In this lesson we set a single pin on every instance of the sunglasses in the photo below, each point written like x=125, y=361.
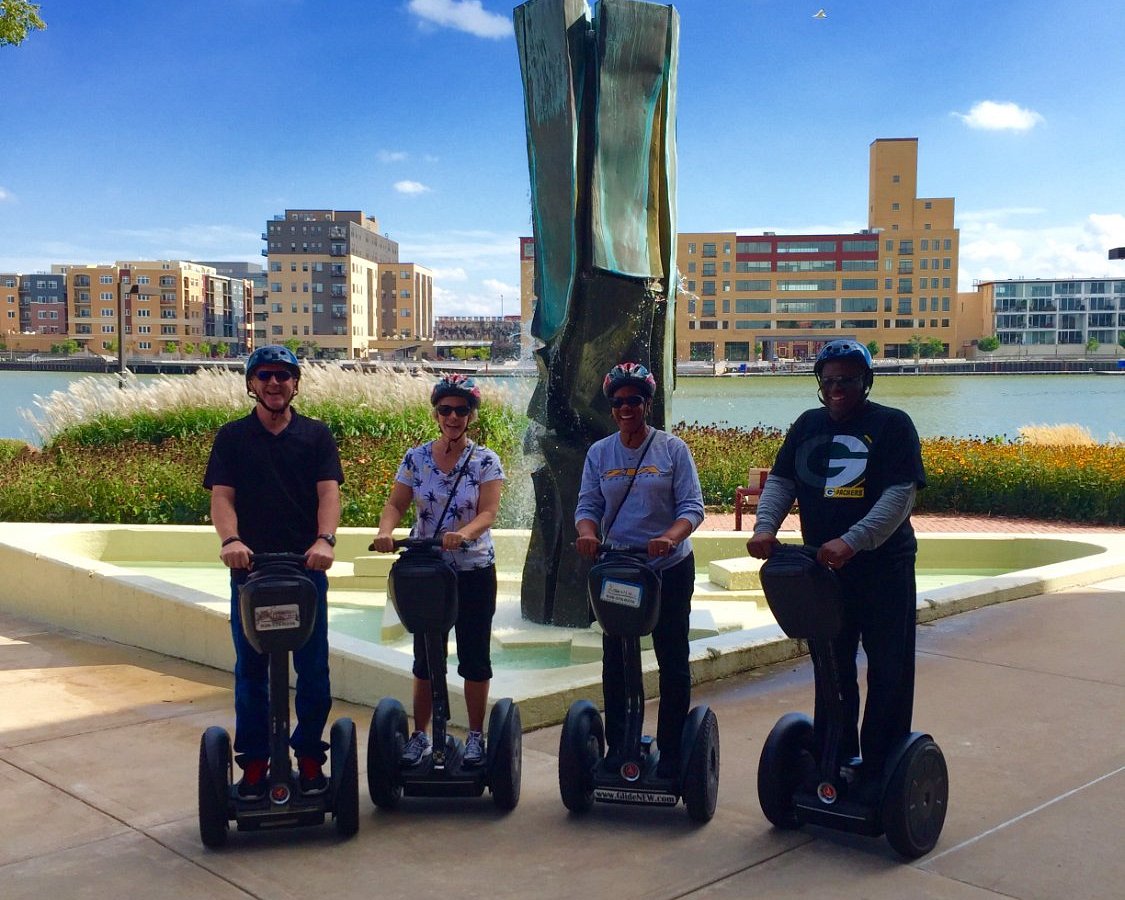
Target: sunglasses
x=631, y=400
x=459, y=411
x=280, y=376
x=850, y=382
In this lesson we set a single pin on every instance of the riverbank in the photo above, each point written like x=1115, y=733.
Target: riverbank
x=1018, y=366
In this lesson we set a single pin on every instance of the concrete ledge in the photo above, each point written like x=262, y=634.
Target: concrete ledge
x=78, y=577
x=738, y=574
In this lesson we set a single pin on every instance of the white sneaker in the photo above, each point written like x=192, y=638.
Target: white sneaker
x=416, y=749
x=474, y=749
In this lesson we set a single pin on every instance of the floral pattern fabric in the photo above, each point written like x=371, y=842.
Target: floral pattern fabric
x=431, y=487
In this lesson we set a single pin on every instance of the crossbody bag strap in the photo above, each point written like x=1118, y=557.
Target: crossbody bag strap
x=457, y=481
x=625, y=496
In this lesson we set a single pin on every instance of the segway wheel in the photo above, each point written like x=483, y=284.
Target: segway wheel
x=345, y=777
x=384, y=752
x=581, y=747
x=505, y=754
x=784, y=762
x=701, y=777
x=915, y=800
x=214, y=786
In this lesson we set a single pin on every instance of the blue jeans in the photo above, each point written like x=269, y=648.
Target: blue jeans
x=251, y=684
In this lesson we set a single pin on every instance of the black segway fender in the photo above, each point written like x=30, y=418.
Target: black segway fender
x=785, y=761
x=505, y=753
x=699, y=767
x=214, y=786
x=915, y=796
x=345, y=777
x=581, y=747
x=384, y=753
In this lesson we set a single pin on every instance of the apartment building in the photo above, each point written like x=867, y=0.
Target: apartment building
x=1056, y=317
x=170, y=307
x=750, y=296
x=336, y=285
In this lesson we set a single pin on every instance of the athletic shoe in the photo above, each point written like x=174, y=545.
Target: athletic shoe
x=311, y=776
x=416, y=749
x=474, y=749
x=253, y=784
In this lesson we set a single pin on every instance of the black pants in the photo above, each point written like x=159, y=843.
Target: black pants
x=879, y=609
x=670, y=641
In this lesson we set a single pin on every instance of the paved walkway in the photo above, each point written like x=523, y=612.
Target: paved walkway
x=99, y=744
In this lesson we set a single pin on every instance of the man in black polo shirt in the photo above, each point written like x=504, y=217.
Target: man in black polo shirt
x=275, y=478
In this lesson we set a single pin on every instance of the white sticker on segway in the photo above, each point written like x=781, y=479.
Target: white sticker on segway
x=623, y=593
x=277, y=618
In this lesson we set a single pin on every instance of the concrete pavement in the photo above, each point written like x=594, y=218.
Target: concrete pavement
x=99, y=744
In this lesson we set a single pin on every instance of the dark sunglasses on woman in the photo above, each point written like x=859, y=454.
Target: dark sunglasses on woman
x=632, y=400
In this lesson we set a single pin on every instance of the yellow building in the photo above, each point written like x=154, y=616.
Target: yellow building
x=335, y=284
x=745, y=297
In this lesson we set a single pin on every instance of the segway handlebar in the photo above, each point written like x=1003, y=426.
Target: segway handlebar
x=412, y=543
x=265, y=558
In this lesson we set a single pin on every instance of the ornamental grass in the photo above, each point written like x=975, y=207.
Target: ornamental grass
x=137, y=455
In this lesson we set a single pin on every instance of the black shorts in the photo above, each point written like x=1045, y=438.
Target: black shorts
x=476, y=590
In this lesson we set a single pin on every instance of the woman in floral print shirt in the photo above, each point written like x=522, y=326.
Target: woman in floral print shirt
x=427, y=476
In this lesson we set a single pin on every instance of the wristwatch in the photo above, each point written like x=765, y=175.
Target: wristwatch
x=329, y=539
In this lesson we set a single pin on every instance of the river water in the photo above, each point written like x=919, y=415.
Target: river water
x=941, y=405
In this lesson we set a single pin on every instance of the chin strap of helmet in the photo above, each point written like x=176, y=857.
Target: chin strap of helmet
x=274, y=414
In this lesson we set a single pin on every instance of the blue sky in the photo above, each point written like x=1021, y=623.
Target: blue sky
x=142, y=130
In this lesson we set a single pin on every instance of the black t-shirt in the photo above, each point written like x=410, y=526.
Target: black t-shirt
x=841, y=469
x=274, y=479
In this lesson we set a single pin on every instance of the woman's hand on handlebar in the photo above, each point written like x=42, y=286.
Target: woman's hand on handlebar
x=452, y=540
x=587, y=546
x=383, y=543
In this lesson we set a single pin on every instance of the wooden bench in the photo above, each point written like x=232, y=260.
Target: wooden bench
x=746, y=498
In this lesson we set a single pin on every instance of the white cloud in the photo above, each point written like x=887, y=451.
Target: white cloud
x=990, y=115
x=462, y=15
x=992, y=250
x=392, y=156
x=457, y=273
x=502, y=288
x=411, y=187
x=6, y=196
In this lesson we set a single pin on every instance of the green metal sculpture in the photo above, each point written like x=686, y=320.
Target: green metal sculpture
x=600, y=104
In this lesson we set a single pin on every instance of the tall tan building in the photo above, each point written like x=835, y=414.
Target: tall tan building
x=335, y=284
x=744, y=297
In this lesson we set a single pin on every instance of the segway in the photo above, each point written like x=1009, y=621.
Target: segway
x=625, y=594
x=277, y=605
x=801, y=783
x=423, y=588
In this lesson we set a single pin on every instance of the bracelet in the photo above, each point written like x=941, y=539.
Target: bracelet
x=231, y=540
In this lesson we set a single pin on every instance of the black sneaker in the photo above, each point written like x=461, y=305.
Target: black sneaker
x=253, y=785
x=310, y=775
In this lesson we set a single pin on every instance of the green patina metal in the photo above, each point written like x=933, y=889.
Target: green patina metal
x=600, y=105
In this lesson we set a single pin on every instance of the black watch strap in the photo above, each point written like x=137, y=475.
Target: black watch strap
x=329, y=539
